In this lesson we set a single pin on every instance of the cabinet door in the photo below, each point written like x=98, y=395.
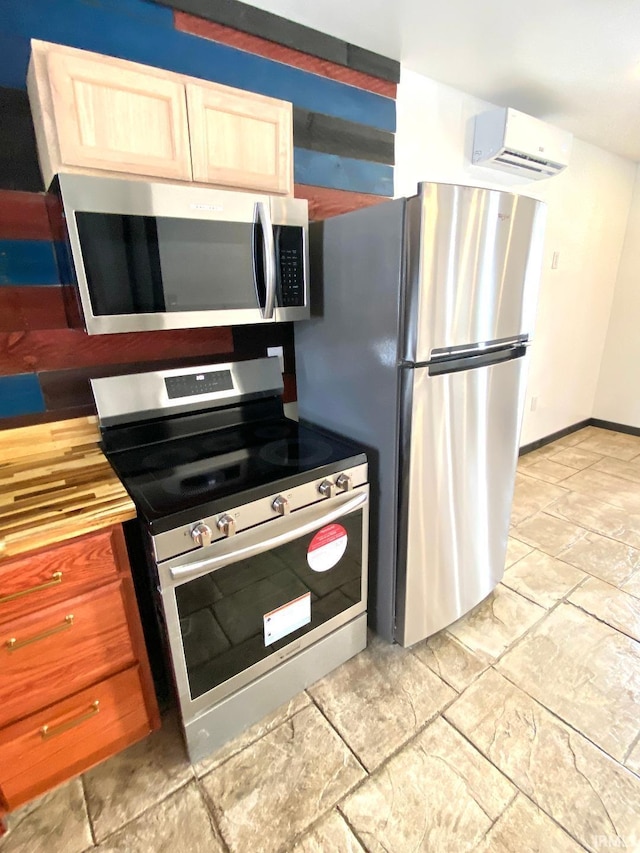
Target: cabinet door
x=116, y=118
x=240, y=139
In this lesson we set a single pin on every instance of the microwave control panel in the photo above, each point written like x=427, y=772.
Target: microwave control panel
x=291, y=266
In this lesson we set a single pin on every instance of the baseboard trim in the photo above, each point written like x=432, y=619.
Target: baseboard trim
x=540, y=442
x=596, y=422
x=630, y=430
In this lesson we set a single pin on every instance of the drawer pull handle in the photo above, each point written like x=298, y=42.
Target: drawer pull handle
x=14, y=644
x=56, y=578
x=52, y=731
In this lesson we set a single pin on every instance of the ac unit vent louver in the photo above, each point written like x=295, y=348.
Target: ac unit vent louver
x=520, y=144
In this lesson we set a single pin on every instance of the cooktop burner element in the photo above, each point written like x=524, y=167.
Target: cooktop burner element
x=294, y=452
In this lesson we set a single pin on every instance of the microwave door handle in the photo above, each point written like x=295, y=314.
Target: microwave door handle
x=269, y=258
x=184, y=572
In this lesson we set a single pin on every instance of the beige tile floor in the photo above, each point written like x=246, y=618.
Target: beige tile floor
x=516, y=730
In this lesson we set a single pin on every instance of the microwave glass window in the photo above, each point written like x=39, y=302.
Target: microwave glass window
x=146, y=265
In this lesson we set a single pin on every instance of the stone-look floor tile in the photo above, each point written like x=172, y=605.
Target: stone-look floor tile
x=525, y=828
x=606, y=488
x=379, y=699
x=585, y=672
x=332, y=833
x=585, y=791
x=533, y=457
x=252, y=734
x=542, y=578
x=576, y=437
x=610, y=605
x=436, y=794
x=268, y=794
x=179, y=824
x=632, y=586
x=126, y=785
x=453, y=662
x=633, y=761
x=616, y=467
x=497, y=622
x=549, y=471
x=516, y=550
x=598, y=517
x=604, y=558
x=573, y=457
x=531, y=495
x=55, y=823
x=608, y=443
x=548, y=533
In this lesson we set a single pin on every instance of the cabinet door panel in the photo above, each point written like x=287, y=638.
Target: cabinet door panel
x=54, y=652
x=71, y=736
x=109, y=117
x=240, y=139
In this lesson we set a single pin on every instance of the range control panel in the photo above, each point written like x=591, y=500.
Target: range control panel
x=191, y=384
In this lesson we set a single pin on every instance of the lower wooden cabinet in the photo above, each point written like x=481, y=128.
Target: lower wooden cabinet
x=75, y=683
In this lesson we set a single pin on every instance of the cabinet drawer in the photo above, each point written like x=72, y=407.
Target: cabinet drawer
x=80, y=731
x=56, y=574
x=50, y=654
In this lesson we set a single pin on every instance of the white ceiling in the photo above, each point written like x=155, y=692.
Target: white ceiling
x=574, y=63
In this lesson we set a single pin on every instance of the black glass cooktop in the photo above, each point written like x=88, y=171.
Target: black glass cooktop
x=182, y=470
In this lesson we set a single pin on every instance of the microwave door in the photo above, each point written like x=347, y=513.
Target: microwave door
x=268, y=259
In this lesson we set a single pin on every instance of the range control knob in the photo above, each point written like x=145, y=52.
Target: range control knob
x=327, y=489
x=201, y=534
x=226, y=525
x=344, y=482
x=281, y=505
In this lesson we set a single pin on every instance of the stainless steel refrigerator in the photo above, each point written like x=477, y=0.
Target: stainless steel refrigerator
x=422, y=316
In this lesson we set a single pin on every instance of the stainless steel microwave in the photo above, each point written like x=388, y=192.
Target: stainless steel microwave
x=150, y=256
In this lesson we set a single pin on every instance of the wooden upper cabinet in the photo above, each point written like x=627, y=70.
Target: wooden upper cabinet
x=115, y=118
x=97, y=114
x=239, y=139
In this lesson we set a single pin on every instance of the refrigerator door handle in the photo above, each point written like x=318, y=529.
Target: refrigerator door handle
x=484, y=359
x=478, y=349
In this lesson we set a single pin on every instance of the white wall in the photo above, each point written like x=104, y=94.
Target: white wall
x=588, y=206
x=618, y=394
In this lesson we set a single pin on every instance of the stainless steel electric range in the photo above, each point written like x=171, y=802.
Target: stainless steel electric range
x=254, y=533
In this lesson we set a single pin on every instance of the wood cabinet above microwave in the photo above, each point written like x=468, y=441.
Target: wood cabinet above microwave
x=96, y=114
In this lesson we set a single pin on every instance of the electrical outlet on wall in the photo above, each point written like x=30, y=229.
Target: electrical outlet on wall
x=533, y=405
x=279, y=351
x=554, y=260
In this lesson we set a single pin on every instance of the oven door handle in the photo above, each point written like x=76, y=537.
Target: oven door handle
x=184, y=572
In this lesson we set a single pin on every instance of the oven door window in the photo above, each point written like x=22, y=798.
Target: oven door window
x=228, y=616
x=148, y=265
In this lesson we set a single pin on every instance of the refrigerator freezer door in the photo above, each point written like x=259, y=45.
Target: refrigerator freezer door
x=460, y=447
x=474, y=258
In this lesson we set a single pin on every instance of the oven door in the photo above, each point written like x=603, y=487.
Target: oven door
x=241, y=606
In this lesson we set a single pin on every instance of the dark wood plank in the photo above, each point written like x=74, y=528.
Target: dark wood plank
x=281, y=53
x=23, y=216
x=23, y=352
x=64, y=389
x=274, y=28
x=290, y=394
x=332, y=135
x=31, y=308
x=324, y=203
x=46, y=417
x=19, y=169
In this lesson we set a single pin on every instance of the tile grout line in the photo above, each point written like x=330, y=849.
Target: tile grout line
x=506, y=776
x=85, y=798
x=213, y=820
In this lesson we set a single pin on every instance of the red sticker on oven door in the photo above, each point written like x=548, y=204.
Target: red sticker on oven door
x=327, y=547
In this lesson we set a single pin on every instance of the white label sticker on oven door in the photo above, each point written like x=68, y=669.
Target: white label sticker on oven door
x=286, y=619
x=327, y=547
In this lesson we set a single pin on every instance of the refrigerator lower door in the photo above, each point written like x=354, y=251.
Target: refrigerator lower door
x=460, y=434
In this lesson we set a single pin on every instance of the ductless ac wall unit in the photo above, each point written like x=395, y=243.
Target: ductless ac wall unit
x=515, y=142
